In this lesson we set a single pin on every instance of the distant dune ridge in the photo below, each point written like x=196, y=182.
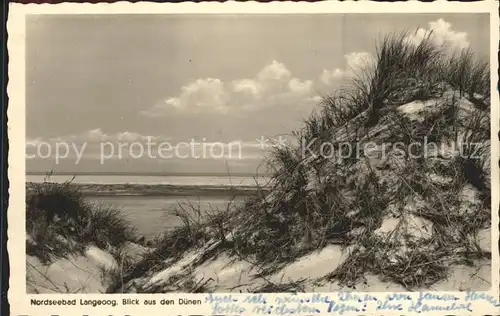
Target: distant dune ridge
x=156, y=189
x=394, y=218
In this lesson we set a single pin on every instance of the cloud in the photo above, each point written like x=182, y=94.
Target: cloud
x=300, y=87
x=203, y=93
x=130, y=136
x=328, y=76
x=97, y=135
x=315, y=98
x=441, y=34
x=354, y=63
x=128, y=144
x=273, y=77
x=273, y=85
x=359, y=60
x=161, y=150
x=247, y=86
x=93, y=135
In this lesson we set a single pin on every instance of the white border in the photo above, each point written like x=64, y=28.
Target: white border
x=20, y=301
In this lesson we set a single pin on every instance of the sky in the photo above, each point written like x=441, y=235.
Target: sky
x=95, y=83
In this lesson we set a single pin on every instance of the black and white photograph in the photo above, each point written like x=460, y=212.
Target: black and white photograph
x=258, y=153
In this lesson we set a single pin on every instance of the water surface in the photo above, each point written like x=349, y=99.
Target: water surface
x=154, y=179
x=151, y=216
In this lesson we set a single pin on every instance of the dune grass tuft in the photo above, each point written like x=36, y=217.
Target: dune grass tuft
x=60, y=221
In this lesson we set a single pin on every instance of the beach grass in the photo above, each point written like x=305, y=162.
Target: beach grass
x=313, y=202
x=61, y=222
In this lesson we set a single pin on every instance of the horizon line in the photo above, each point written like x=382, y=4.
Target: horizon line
x=76, y=173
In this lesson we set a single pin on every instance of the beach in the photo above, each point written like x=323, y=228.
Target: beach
x=152, y=215
x=149, y=205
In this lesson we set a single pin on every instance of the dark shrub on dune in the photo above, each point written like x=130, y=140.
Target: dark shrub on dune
x=60, y=221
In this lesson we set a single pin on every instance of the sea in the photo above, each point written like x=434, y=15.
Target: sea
x=152, y=215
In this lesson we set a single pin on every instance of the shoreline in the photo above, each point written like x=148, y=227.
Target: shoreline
x=128, y=189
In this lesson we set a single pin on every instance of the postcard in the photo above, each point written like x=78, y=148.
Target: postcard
x=247, y=158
